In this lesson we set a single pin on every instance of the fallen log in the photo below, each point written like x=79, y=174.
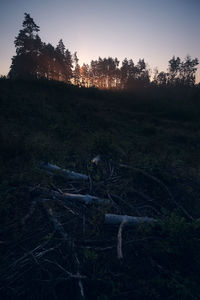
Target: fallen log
x=55, y=170
x=86, y=199
x=123, y=220
x=127, y=220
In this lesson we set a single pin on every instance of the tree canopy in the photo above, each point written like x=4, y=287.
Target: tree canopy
x=36, y=59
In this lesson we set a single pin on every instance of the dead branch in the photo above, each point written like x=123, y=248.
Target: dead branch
x=30, y=213
x=86, y=199
x=67, y=174
x=119, y=244
x=70, y=275
x=56, y=224
x=58, y=227
x=155, y=179
x=142, y=195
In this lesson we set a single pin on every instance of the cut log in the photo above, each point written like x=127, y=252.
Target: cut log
x=55, y=170
x=86, y=199
x=96, y=160
x=127, y=220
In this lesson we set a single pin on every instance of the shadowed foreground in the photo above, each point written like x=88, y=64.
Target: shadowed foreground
x=58, y=247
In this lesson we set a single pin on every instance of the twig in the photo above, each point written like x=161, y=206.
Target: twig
x=55, y=170
x=58, y=226
x=75, y=276
x=119, y=244
x=30, y=213
x=163, y=186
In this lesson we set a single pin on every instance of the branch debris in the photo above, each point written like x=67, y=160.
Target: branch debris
x=65, y=228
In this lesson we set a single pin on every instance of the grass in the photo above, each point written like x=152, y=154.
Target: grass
x=156, y=130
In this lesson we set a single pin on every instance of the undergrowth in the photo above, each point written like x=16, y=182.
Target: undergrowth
x=156, y=134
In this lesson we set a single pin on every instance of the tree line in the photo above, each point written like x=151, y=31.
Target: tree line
x=36, y=59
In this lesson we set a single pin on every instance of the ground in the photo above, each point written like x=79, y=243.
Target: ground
x=148, y=142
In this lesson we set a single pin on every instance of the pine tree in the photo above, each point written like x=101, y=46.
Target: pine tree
x=182, y=72
x=76, y=72
x=68, y=64
x=28, y=49
x=47, y=62
x=84, y=71
x=63, y=62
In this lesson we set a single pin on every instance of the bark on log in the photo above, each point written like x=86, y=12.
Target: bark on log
x=53, y=170
x=127, y=220
x=86, y=199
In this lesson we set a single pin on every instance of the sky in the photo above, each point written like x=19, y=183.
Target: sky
x=151, y=29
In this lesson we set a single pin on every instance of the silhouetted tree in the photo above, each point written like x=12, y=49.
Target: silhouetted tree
x=160, y=78
x=47, y=62
x=76, y=72
x=174, y=68
x=39, y=60
x=182, y=72
x=63, y=63
x=61, y=48
x=104, y=73
x=84, y=72
x=134, y=76
x=68, y=64
x=188, y=69
x=124, y=72
x=36, y=59
x=94, y=73
x=28, y=48
x=110, y=66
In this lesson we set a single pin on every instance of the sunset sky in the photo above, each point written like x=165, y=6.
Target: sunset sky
x=151, y=29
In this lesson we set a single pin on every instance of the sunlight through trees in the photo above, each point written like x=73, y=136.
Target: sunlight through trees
x=36, y=59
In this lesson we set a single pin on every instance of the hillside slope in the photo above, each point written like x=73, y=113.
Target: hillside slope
x=149, y=145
